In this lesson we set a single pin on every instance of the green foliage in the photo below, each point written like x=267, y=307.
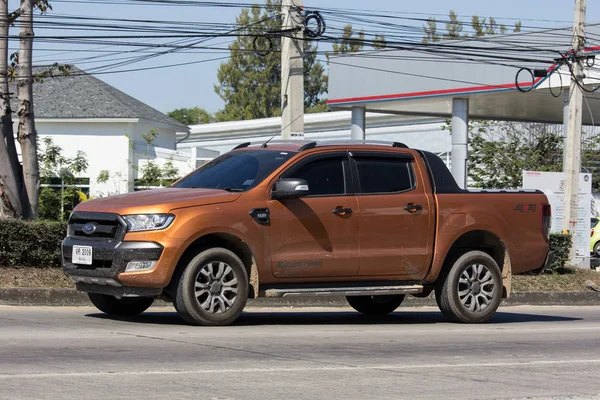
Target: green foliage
x=31, y=243
x=453, y=26
x=49, y=204
x=250, y=83
x=191, y=116
x=560, y=243
x=480, y=27
x=500, y=151
x=54, y=165
x=430, y=29
x=103, y=176
x=379, y=42
x=150, y=136
x=349, y=43
x=156, y=175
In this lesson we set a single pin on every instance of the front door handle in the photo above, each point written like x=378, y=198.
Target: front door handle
x=412, y=208
x=341, y=211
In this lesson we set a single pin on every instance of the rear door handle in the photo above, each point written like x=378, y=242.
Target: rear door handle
x=411, y=208
x=341, y=211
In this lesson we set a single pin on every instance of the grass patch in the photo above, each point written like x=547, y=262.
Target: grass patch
x=569, y=280
x=34, y=277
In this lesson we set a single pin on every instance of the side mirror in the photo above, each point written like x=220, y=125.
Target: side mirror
x=290, y=188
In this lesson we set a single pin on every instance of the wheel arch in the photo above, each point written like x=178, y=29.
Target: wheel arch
x=227, y=241
x=487, y=242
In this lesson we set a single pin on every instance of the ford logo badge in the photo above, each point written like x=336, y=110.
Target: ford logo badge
x=89, y=228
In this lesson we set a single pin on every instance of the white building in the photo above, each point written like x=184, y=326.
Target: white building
x=80, y=112
x=208, y=140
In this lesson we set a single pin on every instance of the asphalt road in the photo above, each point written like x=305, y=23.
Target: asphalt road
x=66, y=353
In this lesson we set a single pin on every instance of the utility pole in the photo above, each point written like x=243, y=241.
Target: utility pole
x=292, y=71
x=572, y=167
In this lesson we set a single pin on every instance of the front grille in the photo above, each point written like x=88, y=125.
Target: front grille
x=107, y=226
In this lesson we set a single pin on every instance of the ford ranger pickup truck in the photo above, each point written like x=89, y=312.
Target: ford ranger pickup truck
x=373, y=222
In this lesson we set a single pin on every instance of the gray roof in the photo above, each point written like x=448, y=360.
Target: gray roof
x=81, y=95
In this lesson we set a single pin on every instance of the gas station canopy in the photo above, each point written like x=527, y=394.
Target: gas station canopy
x=423, y=79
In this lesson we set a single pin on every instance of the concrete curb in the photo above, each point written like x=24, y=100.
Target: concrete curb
x=70, y=297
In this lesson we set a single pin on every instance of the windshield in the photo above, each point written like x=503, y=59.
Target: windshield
x=235, y=171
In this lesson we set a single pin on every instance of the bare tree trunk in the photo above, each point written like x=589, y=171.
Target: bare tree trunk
x=11, y=181
x=27, y=132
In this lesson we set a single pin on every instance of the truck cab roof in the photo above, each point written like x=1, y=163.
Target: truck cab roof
x=302, y=145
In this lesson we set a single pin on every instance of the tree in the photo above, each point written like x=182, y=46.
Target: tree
x=191, y=116
x=27, y=134
x=249, y=82
x=453, y=27
x=19, y=184
x=379, y=42
x=349, y=43
x=55, y=166
x=500, y=151
x=11, y=175
x=154, y=174
x=480, y=25
x=430, y=30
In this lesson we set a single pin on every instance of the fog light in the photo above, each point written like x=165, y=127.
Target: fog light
x=139, y=265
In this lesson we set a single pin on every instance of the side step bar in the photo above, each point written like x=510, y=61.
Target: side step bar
x=344, y=291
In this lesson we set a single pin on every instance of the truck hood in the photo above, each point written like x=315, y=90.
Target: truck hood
x=157, y=201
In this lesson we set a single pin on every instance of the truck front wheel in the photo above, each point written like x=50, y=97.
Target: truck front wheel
x=125, y=307
x=375, y=305
x=471, y=290
x=213, y=288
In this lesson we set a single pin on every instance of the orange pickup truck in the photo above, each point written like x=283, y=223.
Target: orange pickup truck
x=373, y=222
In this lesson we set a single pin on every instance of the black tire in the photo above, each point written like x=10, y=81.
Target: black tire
x=124, y=307
x=217, y=292
x=478, y=304
x=597, y=250
x=375, y=305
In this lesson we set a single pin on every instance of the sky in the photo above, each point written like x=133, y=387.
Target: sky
x=192, y=85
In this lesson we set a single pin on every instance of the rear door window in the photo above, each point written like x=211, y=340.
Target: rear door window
x=378, y=174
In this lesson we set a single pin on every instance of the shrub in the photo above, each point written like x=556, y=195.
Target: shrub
x=560, y=243
x=31, y=243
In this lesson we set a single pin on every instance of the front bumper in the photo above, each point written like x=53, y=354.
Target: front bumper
x=110, y=258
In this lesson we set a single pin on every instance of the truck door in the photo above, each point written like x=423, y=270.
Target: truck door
x=395, y=226
x=317, y=235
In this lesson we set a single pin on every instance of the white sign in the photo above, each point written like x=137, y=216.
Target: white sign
x=553, y=186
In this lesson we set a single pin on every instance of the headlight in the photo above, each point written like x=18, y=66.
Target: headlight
x=148, y=222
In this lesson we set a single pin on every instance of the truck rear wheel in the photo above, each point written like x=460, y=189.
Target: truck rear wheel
x=126, y=306
x=375, y=305
x=213, y=288
x=471, y=290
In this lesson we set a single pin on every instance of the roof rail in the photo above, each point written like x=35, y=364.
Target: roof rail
x=308, y=146
x=351, y=142
x=242, y=145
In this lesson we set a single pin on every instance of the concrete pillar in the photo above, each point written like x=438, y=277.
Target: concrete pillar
x=565, y=124
x=460, y=140
x=357, y=127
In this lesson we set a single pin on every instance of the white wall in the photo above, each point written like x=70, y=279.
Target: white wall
x=166, y=134
x=117, y=147
x=104, y=143
x=420, y=133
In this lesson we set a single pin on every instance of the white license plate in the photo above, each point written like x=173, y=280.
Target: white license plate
x=82, y=255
